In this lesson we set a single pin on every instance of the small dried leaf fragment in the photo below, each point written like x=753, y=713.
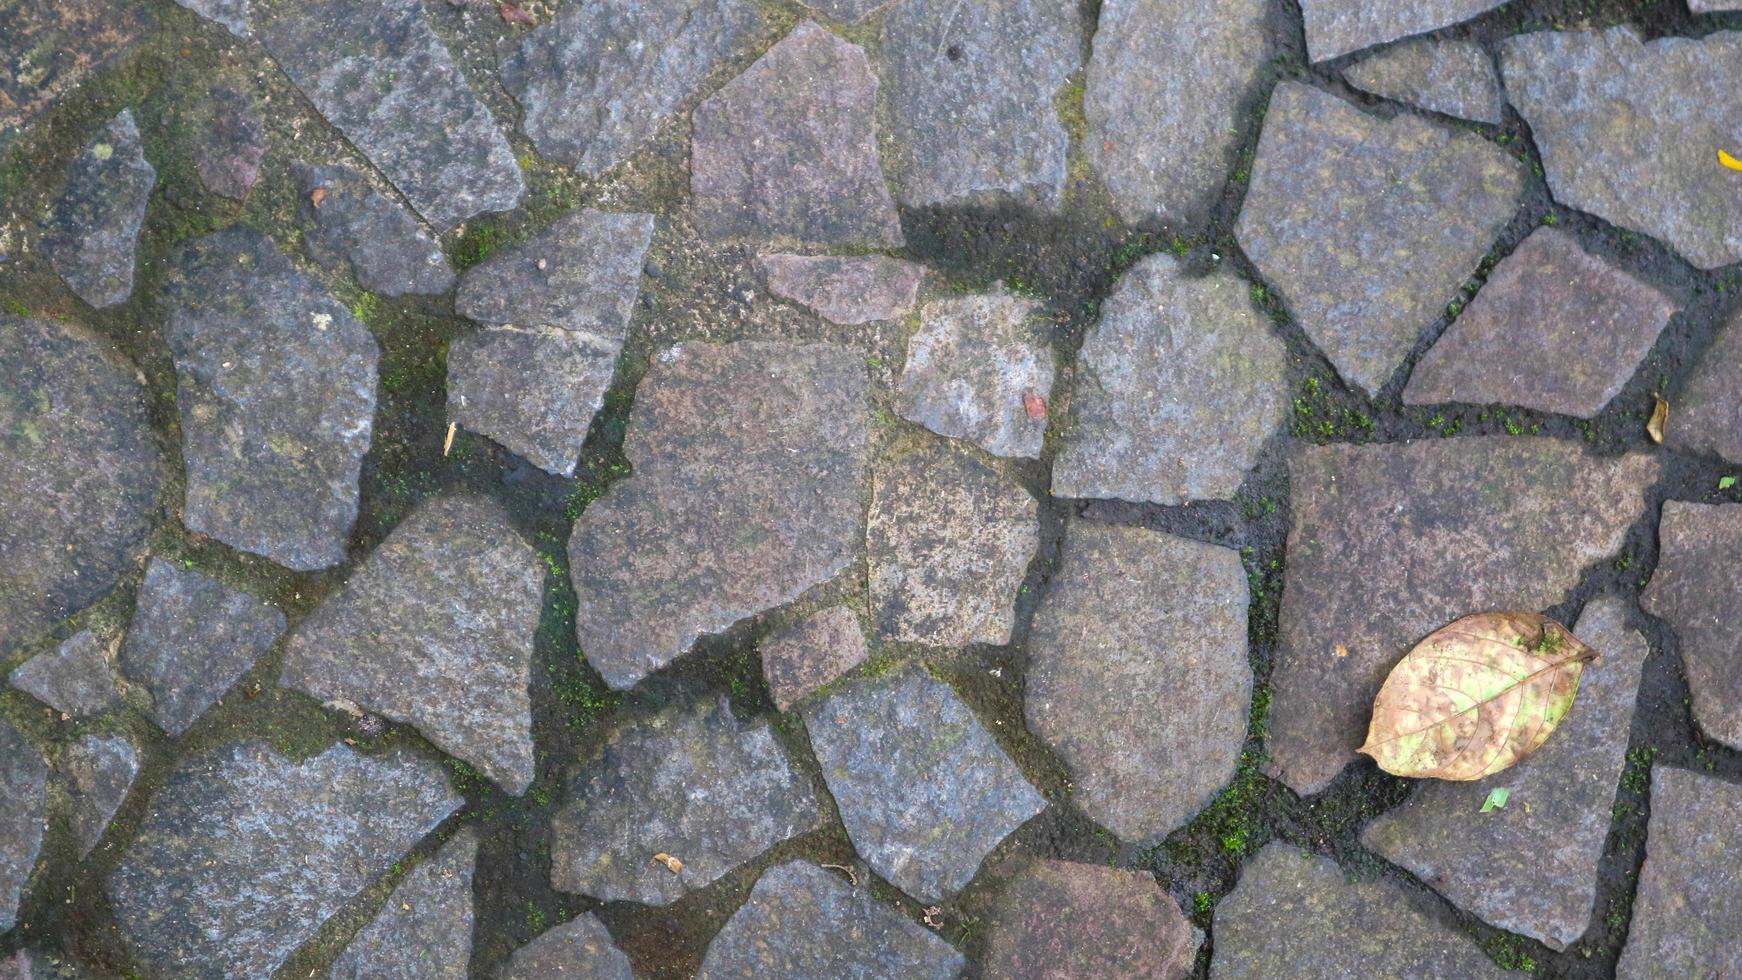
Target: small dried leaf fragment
x=1729, y=161
x=1476, y=697
x=316, y=196
x=1659, y=418
x=1497, y=798
x=671, y=864
x=1034, y=405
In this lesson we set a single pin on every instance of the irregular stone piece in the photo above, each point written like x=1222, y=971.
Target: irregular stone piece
x=749, y=460
x=789, y=150
x=1694, y=591
x=1629, y=131
x=91, y=238
x=191, y=639
x=49, y=48
x=845, y=290
x=1163, y=101
x=810, y=653
x=692, y=782
x=378, y=73
x=924, y=791
x=1298, y=915
x=1453, y=77
x=1555, y=329
x=1708, y=417
x=794, y=905
x=969, y=90
x=435, y=630
x=23, y=781
x=1531, y=866
x=974, y=370
x=232, y=14
x=243, y=853
x=1140, y=626
x=1479, y=523
x=357, y=229
x=424, y=931
x=275, y=382
x=79, y=473
x=100, y=770
x=1059, y=919
x=602, y=77
x=74, y=680
x=1367, y=225
x=1712, y=6
x=233, y=144
x=1180, y=384
x=949, y=544
x=555, y=310
x=579, y=947
x=1337, y=27
x=1689, y=901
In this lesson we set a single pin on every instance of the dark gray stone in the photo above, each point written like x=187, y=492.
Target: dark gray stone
x=275, y=382
x=1555, y=329
x=581, y=274
x=1368, y=226
x=378, y=73
x=424, y=931
x=924, y=791
x=79, y=473
x=1707, y=416
x=1689, y=902
x=1298, y=915
x=845, y=290
x=1179, y=385
x=578, y=948
x=47, y=49
x=974, y=369
x=969, y=88
x=100, y=770
x=191, y=639
x=789, y=149
x=244, y=854
x=1337, y=27
x=357, y=229
x=232, y=14
x=95, y=227
x=1695, y=591
x=749, y=463
x=804, y=656
x=1453, y=77
x=232, y=144
x=23, y=782
x=1629, y=131
x=435, y=630
x=1531, y=866
x=600, y=79
x=802, y=921
x=76, y=679
x=693, y=783
x=1139, y=626
x=1061, y=920
x=1469, y=524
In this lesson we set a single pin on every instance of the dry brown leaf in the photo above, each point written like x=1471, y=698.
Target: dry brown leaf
x=316, y=196
x=1659, y=418
x=671, y=864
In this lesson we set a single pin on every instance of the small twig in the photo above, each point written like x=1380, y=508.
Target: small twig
x=851, y=876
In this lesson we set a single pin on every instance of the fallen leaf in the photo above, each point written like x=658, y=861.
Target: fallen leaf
x=1729, y=161
x=1726, y=482
x=1476, y=697
x=316, y=196
x=1497, y=798
x=1659, y=417
x=1034, y=405
x=671, y=864
x=448, y=443
x=512, y=14
x=1341, y=650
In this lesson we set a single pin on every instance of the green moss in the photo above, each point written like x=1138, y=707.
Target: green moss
x=1318, y=416
x=474, y=246
x=1508, y=953
x=364, y=308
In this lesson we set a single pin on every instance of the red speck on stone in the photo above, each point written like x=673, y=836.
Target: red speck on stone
x=1034, y=405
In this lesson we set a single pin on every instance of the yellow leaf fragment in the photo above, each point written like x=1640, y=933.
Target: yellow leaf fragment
x=1659, y=418
x=671, y=864
x=448, y=443
x=1729, y=161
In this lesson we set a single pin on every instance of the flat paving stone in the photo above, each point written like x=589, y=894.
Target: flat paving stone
x=924, y=791
x=1495, y=522
x=191, y=639
x=789, y=149
x=1166, y=85
x=949, y=541
x=1058, y=920
x=1689, y=901
x=598, y=81
x=1138, y=626
x=232, y=144
x=243, y=854
x=94, y=230
x=1693, y=591
x=232, y=14
x=969, y=90
x=846, y=290
x=1299, y=915
x=275, y=383
x=348, y=226
x=692, y=782
x=379, y=74
x=23, y=782
x=424, y=930
x=804, y=656
x=100, y=769
x=75, y=679
x=802, y=921
x=1707, y=417
x=579, y=947
x=1453, y=77
x=1555, y=329
x=1337, y=27
x=980, y=369
x=748, y=461
x=47, y=49
x=435, y=630
x=1530, y=867
x=1179, y=385
x=80, y=472
x=1368, y=226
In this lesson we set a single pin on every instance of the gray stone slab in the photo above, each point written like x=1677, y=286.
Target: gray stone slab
x=1688, y=907
x=803, y=656
x=1058, y=919
x=1694, y=591
x=845, y=290
x=579, y=947
x=23, y=781
x=47, y=49
x=231, y=143
x=100, y=769
x=1712, y=6
x=980, y=368
x=356, y=229
x=1337, y=27
x=424, y=930
x=75, y=679
x=92, y=234
x=1706, y=417
x=581, y=274
x=1453, y=77
x=232, y=14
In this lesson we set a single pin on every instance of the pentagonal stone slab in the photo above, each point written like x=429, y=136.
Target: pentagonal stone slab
x=1138, y=677
x=23, y=779
x=1470, y=524
x=579, y=947
x=100, y=769
x=810, y=653
x=749, y=459
x=980, y=369
x=424, y=930
x=1059, y=919
x=74, y=679
x=243, y=853
x=1367, y=225
x=49, y=48
x=1531, y=866
x=1695, y=593
x=802, y=921
x=435, y=630
x=91, y=237
x=1453, y=77
x=845, y=290
x=231, y=143
x=1180, y=384
x=1708, y=417
x=79, y=473
x=1689, y=903
x=348, y=226
x=691, y=782
x=924, y=791
x=1555, y=329
x=1337, y=27
x=275, y=381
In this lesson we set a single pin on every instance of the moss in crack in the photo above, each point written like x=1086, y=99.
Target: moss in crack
x=1508, y=953
x=1317, y=415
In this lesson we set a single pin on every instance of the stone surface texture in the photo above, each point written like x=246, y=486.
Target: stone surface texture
x=232, y=14
x=848, y=290
x=1689, y=901
x=232, y=143
x=23, y=782
x=1707, y=419
x=803, y=656
x=92, y=235
x=973, y=370
x=75, y=679
x=424, y=931
x=1059, y=920
x=1694, y=591
x=47, y=49
x=578, y=948
x=1337, y=27
x=1453, y=77
x=100, y=769
x=355, y=228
